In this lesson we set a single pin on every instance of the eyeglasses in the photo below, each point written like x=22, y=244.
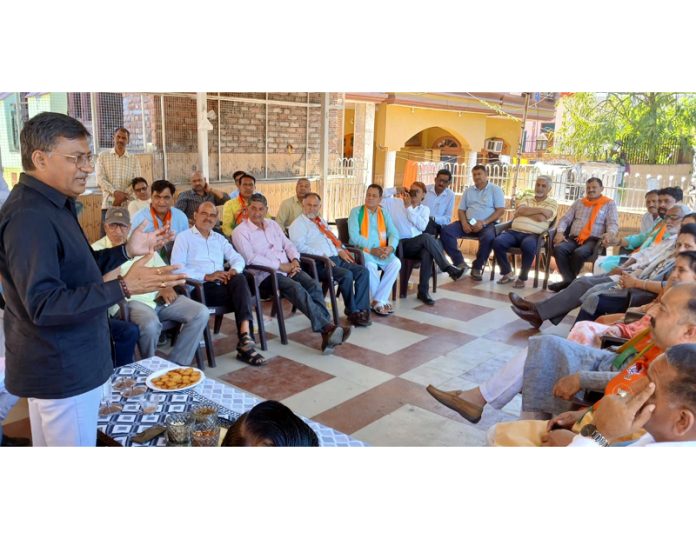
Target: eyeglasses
x=414, y=192
x=82, y=160
x=673, y=217
x=141, y=190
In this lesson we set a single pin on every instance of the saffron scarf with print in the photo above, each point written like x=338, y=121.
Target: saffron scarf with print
x=166, y=221
x=656, y=238
x=365, y=226
x=243, y=213
x=596, y=206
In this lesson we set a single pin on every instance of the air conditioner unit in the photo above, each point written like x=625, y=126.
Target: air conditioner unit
x=494, y=146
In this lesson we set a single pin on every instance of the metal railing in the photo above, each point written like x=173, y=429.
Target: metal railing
x=345, y=188
x=568, y=181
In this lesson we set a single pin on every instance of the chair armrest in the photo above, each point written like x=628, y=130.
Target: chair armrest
x=311, y=266
x=501, y=227
x=273, y=274
x=123, y=310
x=325, y=260
x=608, y=340
x=198, y=290
x=632, y=316
x=358, y=254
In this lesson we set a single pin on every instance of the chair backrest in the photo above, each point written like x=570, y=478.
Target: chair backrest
x=342, y=226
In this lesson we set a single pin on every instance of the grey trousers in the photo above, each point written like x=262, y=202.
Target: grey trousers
x=550, y=358
x=560, y=304
x=305, y=294
x=193, y=315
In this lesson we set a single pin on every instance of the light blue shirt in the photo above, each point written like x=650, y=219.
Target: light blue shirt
x=234, y=194
x=441, y=205
x=179, y=220
x=372, y=240
x=410, y=222
x=480, y=204
x=4, y=190
x=308, y=238
x=201, y=256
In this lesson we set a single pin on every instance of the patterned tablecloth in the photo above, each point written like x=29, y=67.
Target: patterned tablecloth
x=230, y=401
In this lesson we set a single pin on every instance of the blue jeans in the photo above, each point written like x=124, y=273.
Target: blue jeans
x=512, y=238
x=353, y=281
x=452, y=232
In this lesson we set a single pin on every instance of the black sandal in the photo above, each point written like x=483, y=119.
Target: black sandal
x=246, y=351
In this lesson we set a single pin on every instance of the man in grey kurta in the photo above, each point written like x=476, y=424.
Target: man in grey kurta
x=551, y=358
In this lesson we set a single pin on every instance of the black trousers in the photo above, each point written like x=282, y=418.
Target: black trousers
x=234, y=295
x=425, y=248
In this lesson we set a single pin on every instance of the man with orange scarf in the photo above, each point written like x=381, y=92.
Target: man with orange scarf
x=590, y=220
x=236, y=209
x=371, y=229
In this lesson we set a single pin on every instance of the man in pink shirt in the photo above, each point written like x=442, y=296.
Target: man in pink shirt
x=261, y=241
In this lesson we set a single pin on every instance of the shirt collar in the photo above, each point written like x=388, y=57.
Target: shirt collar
x=483, y=188
x=113, y=151
x=52, y=194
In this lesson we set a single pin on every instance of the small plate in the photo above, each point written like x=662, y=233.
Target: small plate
x=156, y=374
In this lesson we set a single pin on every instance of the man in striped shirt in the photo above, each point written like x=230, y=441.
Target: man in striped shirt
x=115, y=170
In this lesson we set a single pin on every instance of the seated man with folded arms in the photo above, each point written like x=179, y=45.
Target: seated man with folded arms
x=291, y=208
x=261, y=242
x=637, y=244
x=201, y=252
x=148, y=310
x=161, y=212
x=640, y=280
x=236, y=209
x=311, y=235
x=481, y=206
x=410, y=218
x=201, y=191
x=554, y=370
x=371, y=229
x=440, y=199
x=651, y=215
x=591, y=219
x=533, y=216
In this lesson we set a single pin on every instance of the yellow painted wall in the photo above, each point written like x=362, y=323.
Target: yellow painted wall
x=348, y=121
x=508, y=130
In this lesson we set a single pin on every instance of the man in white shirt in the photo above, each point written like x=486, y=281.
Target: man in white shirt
x=651, y=215
x=201, y=253
x=142, y=196
x=410, y=218
x=311, y=235
x=115, y=170
x=665, y=407
x=440, y=199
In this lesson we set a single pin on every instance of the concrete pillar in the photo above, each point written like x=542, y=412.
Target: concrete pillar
x=389, y=169
x=324, y=149
x=364, y=139
x=204, y=126
x=471, y=158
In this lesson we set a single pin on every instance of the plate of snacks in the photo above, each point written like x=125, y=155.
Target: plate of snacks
x=174, y=379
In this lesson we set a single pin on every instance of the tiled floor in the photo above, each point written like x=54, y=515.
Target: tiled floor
x=373, y=387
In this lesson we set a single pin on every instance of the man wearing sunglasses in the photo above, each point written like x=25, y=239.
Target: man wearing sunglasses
x=411, y=218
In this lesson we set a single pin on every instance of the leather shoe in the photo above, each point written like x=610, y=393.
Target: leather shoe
x=529, y=316
x=557, y=287
x=366, y=318
x=520, y=302
x=455, y=272
x=330, y=338
x=11, y=441
x=357, y=319
x=468, y=410
x=425, y=298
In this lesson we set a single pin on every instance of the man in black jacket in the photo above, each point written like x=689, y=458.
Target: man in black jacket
x=58, y=348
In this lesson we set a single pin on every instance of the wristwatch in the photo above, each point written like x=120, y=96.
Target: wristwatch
x=590, y=431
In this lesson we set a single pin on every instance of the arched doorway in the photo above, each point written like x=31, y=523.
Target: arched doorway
x=433, y=144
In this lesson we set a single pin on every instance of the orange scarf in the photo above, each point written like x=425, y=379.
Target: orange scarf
x=596, y=206
x=636, y=368
x=365, y=226
x=332, y=238
x=658, y=238
x=165, y=222
x=243, y=213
